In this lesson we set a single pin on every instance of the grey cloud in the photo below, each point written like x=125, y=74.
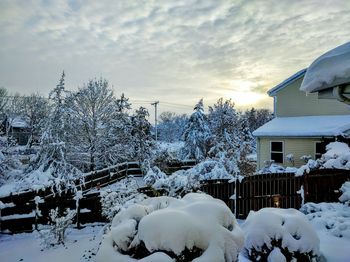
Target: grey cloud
x=178, y=50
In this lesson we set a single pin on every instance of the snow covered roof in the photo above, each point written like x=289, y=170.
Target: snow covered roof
x=289, y=80
x=305, y=126
x=329, y=70
x=18, y=122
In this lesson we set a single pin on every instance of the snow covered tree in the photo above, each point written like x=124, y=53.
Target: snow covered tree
x=52, y=156
x=197, y=134
x=120, y=138
x=224, y=121
x=171, y=126
x=141, y=132
x=257, y=117
x=35, y=109
x=93, y=110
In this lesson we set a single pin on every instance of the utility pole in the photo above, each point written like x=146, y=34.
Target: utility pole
x=155, y=104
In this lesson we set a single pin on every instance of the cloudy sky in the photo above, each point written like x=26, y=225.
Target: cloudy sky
x=172, y=51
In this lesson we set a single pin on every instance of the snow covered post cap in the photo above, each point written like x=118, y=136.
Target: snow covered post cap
x=330, y=75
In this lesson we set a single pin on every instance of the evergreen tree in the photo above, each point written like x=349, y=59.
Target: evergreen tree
x=224, y=121
x=171, y=126
x=197, y=134
x=141, y=132
x=52, y=156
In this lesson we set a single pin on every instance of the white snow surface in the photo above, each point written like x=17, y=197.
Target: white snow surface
x=170, y=224
x=331, y=217
x=305, y=126
x=289, y=225
x=274, y=168
x=330, y=69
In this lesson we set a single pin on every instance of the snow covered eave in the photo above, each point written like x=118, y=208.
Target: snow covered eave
x=329, y=75
x=305, y=127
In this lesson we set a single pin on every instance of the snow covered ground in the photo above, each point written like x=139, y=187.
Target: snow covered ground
x=82, y=245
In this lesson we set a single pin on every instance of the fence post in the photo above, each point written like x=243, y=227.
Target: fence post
x=78, y=214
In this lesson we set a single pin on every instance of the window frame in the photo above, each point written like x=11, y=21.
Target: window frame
x=278, y=152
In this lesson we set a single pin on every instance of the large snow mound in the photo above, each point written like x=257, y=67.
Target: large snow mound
x=279, y=232
x=330, y=69
x=334, y=218
x=166, y=228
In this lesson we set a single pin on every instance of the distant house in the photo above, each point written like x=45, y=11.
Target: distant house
x=18, y=128
x=302, y=126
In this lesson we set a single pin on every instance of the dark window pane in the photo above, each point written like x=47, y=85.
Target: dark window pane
x=277, y=146
x=277, y=157
x=320, y=148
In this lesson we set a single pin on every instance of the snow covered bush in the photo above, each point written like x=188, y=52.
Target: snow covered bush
x=273, y=234
x=60, y=222
x=337, y=156
x=153, y=174
x=122, y=194
x=195, y=228
x=184, y=181
x=330, y=217
x=345, y=189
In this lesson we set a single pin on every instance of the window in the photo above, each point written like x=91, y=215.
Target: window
x=277, y=152
x=320, y=148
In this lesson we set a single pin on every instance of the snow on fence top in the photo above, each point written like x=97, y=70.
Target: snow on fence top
x=300, y=126
x=330, y=69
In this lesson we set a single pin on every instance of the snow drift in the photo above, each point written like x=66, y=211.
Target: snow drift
x=194, y=228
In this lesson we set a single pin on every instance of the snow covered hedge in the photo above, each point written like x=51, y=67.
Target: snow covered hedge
x=273, y=234
x=336, y=157
x=194, y=228
x=184, y=181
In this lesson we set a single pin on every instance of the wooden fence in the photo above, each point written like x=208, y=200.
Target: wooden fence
x=251, y=193
x=277, y=190
x=19, y=214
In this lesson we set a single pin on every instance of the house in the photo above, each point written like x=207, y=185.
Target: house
x=302, y=126
x=18, y=128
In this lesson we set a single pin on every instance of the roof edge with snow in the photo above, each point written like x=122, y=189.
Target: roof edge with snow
x=289, y=80
x=305, y=126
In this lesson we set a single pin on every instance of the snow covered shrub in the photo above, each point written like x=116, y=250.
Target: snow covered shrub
x=152, y=175
x=122, y=194
x=345, y=189
x=195, y=228
x=330, y=217
x=185, y=181
x=336, y=157
x=273, y=234
x=60, y=222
